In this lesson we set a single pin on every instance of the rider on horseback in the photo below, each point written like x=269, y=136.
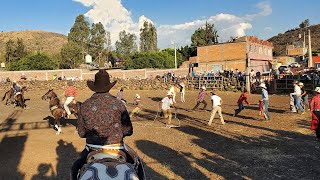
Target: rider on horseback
x=16, y=89
x=71, y=94
x=103, y=120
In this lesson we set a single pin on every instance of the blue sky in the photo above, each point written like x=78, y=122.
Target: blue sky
x=175, y=20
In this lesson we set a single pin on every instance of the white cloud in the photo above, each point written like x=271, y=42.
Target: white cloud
x=267, y=29
x=116, y=18
x=265, y=10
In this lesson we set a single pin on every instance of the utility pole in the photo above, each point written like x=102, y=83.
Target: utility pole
x=248, y=83
x=175, y=54
x=310, y=64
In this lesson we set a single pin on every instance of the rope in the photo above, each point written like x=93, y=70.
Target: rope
x=155, y=118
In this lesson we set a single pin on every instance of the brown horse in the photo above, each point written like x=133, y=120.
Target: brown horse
x=7, y=96
x=18, y=98
x=57, y=109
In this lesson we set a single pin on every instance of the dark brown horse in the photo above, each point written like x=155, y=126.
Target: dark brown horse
x=18, y=98
x=7, y=96
x=57, y=109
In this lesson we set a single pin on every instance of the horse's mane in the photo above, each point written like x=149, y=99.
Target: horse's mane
x=54, y=97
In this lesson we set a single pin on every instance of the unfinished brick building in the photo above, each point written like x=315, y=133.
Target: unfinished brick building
x=235, y=55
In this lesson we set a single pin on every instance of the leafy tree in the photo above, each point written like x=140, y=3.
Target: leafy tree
x=79, y=33
x=126, y=43
x=71, y=56
x=304, y=24
x=140, y=60
x=10, y=49
x=188, y=51
x=98, y=39
x=20, y=50
x=14, y=51
x=34, y=62
x=108, y=42
x=180, y=57
x=148, y=37
x=205, y=36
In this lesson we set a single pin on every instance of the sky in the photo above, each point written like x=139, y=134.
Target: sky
x=175, y=20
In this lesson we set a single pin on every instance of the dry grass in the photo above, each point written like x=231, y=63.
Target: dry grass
x=35, y=40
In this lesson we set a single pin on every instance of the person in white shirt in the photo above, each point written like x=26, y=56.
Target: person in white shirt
x=297, y=97
x=216, y=106
x=166, y=104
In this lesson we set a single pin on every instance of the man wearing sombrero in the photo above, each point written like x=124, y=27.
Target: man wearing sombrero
x=103, y=119
x=265, y=100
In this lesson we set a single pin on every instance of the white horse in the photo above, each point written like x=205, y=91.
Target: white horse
x=178, y=88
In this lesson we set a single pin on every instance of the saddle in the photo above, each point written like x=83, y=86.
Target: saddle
x=110, y=152
x=118, y=154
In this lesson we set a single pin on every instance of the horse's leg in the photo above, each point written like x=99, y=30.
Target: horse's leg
x=57, y=124
x=183, y=93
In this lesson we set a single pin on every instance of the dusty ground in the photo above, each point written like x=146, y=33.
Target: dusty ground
x=244, y=148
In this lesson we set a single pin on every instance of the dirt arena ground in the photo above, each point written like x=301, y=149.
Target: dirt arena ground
x=245, y=148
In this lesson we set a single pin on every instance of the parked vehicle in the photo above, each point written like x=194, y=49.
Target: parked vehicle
x=295, y=65
x=93, y=66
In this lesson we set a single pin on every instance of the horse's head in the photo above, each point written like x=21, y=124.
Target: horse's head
x=48, y=95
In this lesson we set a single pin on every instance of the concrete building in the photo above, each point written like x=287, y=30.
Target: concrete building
x=235, y=55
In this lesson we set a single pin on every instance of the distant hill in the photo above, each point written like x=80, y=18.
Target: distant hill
x=292, y=37
x=35, y=40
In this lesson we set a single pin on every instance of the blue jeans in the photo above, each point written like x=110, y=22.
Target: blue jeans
x=298, y=102
x=240, y=108
x=266, y=106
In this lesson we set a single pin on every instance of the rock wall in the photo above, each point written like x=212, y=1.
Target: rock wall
x=229, y=84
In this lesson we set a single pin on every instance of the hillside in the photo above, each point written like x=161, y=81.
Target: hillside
x=292, y=36
x=34, y=40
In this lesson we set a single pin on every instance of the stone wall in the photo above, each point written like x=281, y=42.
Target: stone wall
x=84, y=74
x=229, y=84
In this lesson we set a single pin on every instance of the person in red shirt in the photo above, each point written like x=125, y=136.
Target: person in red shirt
x=243, y=97
x=71, y=94
x=315, y=111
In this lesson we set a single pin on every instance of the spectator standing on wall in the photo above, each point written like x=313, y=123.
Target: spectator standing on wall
x=252, y=76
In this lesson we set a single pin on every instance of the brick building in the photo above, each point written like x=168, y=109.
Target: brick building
x=234, y=55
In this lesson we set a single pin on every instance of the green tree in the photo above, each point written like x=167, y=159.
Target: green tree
x=9, y=54
x=205, y=36
x=79, y=33
x=98, y=39
x=305, y=23
x=141, y=60
x=20, y=50
x=71, y=56
x=126, y=43
x=187, y=51
x=148, y=37
x=34, y=62
x=180, y=57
